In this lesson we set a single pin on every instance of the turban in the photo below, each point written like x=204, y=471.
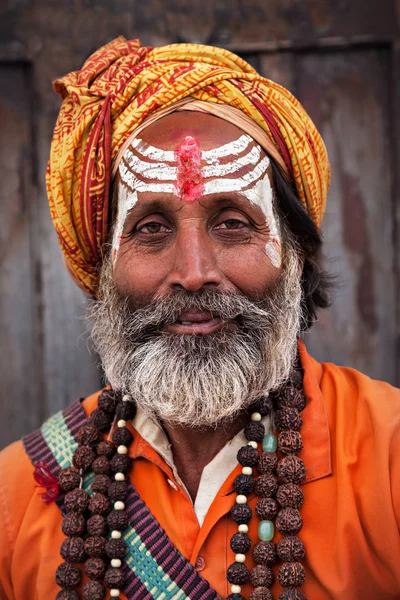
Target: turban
x=121, y=85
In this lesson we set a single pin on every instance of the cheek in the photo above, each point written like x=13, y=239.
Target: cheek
x=138, y=274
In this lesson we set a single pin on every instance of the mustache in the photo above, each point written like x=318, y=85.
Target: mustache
x=151, y=317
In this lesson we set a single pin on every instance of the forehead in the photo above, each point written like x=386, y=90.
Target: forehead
x=209, y=131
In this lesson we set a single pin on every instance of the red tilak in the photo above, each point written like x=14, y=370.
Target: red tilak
x=45, y=478
x=189, y=184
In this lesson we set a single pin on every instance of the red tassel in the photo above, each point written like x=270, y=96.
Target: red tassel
x=45, y=478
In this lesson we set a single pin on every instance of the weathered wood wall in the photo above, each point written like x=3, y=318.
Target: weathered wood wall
x=341, y=59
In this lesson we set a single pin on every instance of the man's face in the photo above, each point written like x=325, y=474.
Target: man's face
x=195, y=212
x=199, y=308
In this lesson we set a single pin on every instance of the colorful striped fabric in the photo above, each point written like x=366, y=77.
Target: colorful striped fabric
x=155, y=568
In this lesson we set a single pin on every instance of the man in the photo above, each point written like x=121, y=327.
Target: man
x=221, y=460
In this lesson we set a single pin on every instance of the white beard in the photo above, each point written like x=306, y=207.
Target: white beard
x=191, y=380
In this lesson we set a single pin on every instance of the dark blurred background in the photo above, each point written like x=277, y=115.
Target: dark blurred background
x=341, y=58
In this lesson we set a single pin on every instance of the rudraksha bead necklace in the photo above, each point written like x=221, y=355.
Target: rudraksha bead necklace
x=280, y=499
x=92, y=519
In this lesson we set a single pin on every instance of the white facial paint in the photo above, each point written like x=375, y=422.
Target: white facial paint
x=138, y=174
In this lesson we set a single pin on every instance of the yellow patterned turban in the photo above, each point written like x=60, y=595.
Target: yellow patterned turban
x=123, y=83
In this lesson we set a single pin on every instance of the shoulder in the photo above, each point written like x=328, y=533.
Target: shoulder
x=53, y=444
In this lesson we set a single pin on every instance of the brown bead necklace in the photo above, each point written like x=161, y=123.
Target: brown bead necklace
x=94, y=524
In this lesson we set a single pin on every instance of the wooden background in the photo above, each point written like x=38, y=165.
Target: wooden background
x=340, y=58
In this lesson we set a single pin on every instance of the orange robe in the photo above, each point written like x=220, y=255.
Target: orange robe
x=351, y=512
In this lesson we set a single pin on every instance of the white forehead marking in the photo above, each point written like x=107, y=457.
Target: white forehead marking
x=164, y=172
x=259, y=194
x=210, y=156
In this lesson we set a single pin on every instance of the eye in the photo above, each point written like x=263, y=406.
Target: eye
x=153, y=227
x=232, y=224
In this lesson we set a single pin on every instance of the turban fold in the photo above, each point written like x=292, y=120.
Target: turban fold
x=122, y=84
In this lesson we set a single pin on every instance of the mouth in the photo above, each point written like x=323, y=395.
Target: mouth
x=194, y=322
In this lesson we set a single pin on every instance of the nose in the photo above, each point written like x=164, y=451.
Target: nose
x=195, y=264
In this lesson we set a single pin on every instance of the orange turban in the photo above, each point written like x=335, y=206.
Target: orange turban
x=123, y=83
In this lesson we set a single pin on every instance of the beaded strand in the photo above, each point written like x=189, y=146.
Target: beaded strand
x=91, y=519
x=280, y=499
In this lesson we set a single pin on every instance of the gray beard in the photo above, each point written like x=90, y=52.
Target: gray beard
x=192, y=380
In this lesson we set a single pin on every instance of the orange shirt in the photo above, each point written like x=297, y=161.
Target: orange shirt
x=351, y=512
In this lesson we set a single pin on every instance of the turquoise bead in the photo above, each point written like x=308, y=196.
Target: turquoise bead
x=270, y=443
x=266, y=531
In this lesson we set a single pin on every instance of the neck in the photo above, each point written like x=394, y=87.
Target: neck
x=193, y=449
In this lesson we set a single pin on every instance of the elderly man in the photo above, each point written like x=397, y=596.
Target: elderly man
x=221, y=461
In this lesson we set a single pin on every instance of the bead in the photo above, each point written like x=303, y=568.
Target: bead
x=69, y=479
x=105, y=448
x=68, y=575
x=93, y=590
x=291, y=574
x=236, y=589
x=99, y=504
x=126, y=410
x=243, y=484
x=237, y=573
x=120, y=463
x=247, y=471
x=253, y=444
x=240, y=543
x=115, y=578
x=121, y=423
x=116, y=548
x=266, y=508
x=95, y=568
x=290, y=495
x=73, y=549
x=117, y=519
x=97, y=525
x=88, y=435
x=264, y=406
x=289, y=521
x=255, y=430
x=107, y=401
x=270, y=443
x=83, y=457
x=235, y=596
x=76, y=500
x=267, y=462
x=95, y=545
x=126, y=398
x=241, y=499
x=290, y=441
x=73, y=524
x=256, y=416
x=243, y=528
x=291, y=469
x=290, y=549
x=101, y=419
x=291, y=594
x=288, y=418
x=118, y=505
x=247, y=456
x=101, y=466
x=240, y=558
x=114, y=593
x=291, y=398
x=100, y=484
x=261, y=593
x=261, y=575
x=264, y=553
x=122, y=435
x=119, y=477
x=116, y=563
x=266, y=485
x=115, y=534
x=122, y=450
x=241, y=513
x=118, y=490
x=266, y=531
